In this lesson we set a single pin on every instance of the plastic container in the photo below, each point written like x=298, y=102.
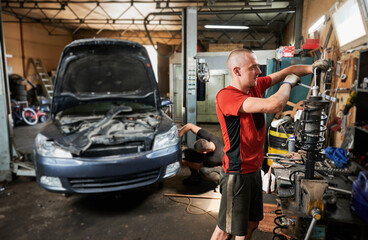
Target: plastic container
x=291, y=144
x=359, y=202
x=311, y=43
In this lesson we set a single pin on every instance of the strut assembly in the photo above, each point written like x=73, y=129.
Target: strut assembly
x=313, y=126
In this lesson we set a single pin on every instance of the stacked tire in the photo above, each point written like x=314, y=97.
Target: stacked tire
x=17, y=85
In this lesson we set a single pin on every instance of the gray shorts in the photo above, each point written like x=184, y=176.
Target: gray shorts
x=241, y=201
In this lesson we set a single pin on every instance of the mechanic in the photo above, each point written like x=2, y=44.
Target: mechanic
x=240, y=110
x=208, y=152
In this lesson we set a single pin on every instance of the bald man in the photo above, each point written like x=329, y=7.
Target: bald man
x=240, y=110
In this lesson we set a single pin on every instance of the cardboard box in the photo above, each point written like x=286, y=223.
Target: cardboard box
x=223, y=47
x=288, y=51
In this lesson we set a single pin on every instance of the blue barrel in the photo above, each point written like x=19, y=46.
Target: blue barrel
x=359, y=202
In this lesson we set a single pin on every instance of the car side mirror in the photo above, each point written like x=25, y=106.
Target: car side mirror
x=165, y=105
x=165, y=102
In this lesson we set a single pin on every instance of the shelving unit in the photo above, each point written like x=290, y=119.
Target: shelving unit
x=361, y=134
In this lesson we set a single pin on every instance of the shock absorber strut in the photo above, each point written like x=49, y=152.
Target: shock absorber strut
x=313, y=128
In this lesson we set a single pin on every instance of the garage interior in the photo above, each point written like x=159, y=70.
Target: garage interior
x=188, y=58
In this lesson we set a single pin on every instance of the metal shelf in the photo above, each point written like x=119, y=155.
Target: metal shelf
x=363, y=90
x=362, y=129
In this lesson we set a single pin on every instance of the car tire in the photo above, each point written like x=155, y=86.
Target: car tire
x=66, y=195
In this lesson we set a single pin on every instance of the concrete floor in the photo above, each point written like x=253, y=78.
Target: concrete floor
x=28, y=212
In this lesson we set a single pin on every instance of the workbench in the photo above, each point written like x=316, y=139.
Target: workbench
x=337, y=220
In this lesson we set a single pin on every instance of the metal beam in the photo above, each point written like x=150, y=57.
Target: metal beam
x=204, y=2
x=298, y=23
x=189, y=49
x=247, y=11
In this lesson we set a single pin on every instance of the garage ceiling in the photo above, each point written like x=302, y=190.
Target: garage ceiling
x=158, y=19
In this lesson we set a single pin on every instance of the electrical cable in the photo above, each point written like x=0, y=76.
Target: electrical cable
x=292, y=173
x=189, y=205
x=292, y=182
x=145, y=22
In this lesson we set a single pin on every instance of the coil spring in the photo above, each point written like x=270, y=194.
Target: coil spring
x=311, y=139
x=278, y=226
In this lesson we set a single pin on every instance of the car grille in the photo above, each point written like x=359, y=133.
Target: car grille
x=100, y=150
x=113, y=183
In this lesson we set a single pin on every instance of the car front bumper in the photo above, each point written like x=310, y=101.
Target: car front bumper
x=107, y=174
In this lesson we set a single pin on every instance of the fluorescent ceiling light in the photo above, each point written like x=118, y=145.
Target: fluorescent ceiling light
x=317, y=25
x=225, y=27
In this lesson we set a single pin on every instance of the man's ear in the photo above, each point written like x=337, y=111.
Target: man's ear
x=213, y=146
x=236, y=71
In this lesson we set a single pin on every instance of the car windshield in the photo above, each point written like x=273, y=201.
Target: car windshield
x=106, y=73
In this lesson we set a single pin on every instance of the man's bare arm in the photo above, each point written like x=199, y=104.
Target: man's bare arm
x=189, y=127
x=274, y=103
x=300, y=70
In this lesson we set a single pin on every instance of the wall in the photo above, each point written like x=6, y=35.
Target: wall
x=312, y=11
x=164, y=51
x=12, y=44
x=37, y=43
x=289, y=34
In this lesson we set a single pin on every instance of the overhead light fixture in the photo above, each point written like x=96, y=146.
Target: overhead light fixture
x=317, y=25
x=225, y=27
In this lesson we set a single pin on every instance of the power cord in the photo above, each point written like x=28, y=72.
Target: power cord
x=190, y=205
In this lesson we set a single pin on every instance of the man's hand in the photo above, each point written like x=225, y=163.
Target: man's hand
x=292, y=79
x=321, y=64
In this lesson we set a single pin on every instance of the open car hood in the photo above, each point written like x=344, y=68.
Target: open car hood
x=101, y=69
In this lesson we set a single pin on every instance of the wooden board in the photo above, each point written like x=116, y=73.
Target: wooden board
x=350, y=66
x=267, y=224
x=339, y=107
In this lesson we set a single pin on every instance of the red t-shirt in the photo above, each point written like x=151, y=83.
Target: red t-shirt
x=243, y=133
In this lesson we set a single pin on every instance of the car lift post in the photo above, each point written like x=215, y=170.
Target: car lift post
x=189, y=50
x=5, y=147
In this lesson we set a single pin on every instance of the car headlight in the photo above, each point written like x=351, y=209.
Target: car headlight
x=167, y=139
x=48, y=149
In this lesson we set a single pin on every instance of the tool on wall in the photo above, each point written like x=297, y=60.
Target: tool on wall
x=351, y=100
x=203, y=76
x=203, y=71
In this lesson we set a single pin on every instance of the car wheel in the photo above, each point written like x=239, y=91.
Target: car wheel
x=66, y=195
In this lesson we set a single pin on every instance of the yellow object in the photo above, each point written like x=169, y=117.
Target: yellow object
x=278, y=134
x=316, y=204
x=275, y=149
